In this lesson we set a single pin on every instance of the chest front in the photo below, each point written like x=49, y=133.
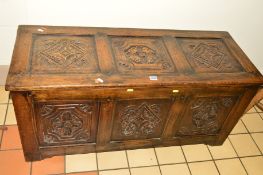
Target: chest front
x=81, y=90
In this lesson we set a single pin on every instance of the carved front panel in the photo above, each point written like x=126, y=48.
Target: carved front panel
x=139, y=119
x=63, y=54
x=205, y=115
x=141, y=54
x=209, y=55
x=66, y=123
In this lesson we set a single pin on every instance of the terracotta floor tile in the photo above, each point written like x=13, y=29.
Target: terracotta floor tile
x=197, y=152
x=180, y=169
x=3, y=95
x=154, y=170
x=84, y=173
x=115, y=172
x=230, y=167
x=253, y=165
x=112, y=160
x=81, y=162
x=172, y=154
x=12, y=162
x=203, y=168
x=10, y=117
x=142, y=157
x=253, y=122
x=244, y=145
x=2, y=113
x=239, y=128
x=11, y=138
x=54, y=165
x=224, y=151
x=258, y=137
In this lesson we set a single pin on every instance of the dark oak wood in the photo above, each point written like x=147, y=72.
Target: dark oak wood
x=81, y=90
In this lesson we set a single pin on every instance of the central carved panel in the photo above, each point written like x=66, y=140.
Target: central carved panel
x=63, y=124
x=63, y=54
x=138, y=119
x=141, y=55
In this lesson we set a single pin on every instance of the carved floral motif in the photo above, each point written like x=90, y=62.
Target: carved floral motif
x=59, y=54
x=147, y=54
x=140, y=120
x=205, y=111
x=65, y=123
x=63, y=52
x=209, y=55
x=143, y=55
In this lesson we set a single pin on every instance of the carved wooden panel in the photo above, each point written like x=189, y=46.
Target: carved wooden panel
x=209, y=55
x=138, y=119
x=63, y=54
x=205, y=115
x=66, y=123
x=141, y=54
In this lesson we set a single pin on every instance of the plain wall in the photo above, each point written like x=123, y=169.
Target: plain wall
x=242, y=18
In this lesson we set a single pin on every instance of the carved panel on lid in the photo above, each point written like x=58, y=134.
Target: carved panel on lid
x=63, y=54
x=139, y=119
x=64, y=124
x=141, y=54
x=209, y=55
x=205, y=115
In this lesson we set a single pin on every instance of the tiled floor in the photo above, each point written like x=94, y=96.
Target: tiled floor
x=240, y=154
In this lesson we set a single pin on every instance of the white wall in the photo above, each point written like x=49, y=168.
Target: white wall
x=242, y=18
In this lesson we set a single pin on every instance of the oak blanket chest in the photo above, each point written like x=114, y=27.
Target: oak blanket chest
x=80, y=90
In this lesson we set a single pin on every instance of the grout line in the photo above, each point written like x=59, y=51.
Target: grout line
x=237, y=155
x=15, y=149
x=213, y=159
x=128, y=161
x=6, y=115
x=256, y=108
x=260, y=116
x=2, y=134
x=157, y=161
x=252, y=138
x=97, y=162
x=65, y=163
x=31, y=166
x=247, y=133
x=186, y=161
x=178, y=163
x=124, y=168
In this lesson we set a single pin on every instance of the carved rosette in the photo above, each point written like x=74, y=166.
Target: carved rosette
x=205, y=111
x=62, y=124
x=140, y=120
x=141, y=54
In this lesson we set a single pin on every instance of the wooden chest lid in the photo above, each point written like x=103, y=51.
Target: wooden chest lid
x=48, y=57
